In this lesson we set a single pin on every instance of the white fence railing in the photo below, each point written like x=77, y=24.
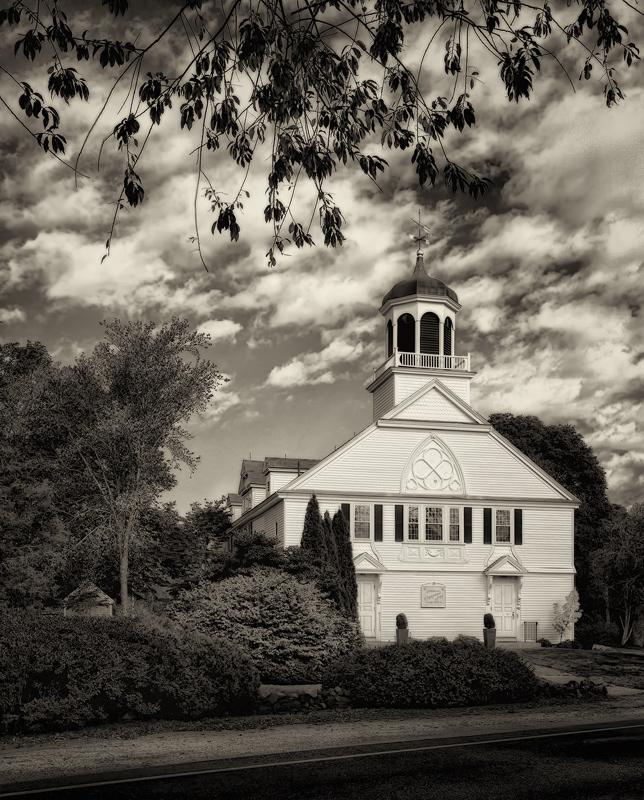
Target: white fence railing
x=427, y=360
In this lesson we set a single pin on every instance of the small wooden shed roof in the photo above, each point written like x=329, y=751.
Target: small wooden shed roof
x=88, y=593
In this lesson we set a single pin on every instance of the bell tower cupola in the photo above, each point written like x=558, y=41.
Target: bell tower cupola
x=420, y=341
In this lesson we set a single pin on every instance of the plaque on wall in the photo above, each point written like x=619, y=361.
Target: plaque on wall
x=433, y=595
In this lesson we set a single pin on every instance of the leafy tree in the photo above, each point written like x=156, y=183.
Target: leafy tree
x=619, y=565
x=208, y=525
x=342, y=536
x=562, y=452
x=290, y=630
x=33, y=531
x=566, y=614
x=118, y=416
x=310, y=86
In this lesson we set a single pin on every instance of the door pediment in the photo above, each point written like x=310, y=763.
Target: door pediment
x=505, y=565
x=365, y=562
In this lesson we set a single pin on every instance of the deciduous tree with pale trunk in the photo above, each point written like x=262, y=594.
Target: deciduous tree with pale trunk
x=119, y=416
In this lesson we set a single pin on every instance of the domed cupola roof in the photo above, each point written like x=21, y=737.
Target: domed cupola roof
x=420, y=283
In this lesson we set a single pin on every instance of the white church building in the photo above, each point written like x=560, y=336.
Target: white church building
x=448, y=519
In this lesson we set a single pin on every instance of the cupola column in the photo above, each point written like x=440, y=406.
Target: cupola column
x=441, y=337
x=417, y=339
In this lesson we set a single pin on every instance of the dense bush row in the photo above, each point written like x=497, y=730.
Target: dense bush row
x=57, y=673
x=433, y=673
x=592, y=631
x=291, y=631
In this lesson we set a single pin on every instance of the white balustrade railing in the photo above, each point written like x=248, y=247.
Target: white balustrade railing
x=427, y=360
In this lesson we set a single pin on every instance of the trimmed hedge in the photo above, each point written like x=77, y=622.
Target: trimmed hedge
x=596, y=631
x=433, y=673
x=58, y=673
x=291, y=631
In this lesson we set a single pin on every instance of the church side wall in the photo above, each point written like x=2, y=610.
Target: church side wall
x=383, y=399
x=538, y=594
x=272, y=522
x=294, y=511
x=463, y=612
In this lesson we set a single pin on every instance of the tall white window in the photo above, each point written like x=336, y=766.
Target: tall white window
x=454, y=525
x=362, y=522
x=502, y=525
x=412, y=523
x=433, y=523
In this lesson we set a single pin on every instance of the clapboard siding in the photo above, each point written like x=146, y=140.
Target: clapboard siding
x=547, y=538
x=460, y=387
x=538, y=594
x=375, y=463
x=257, y=495
x=275, y=516
x=406, y=385
x=463, y=613
x=279, y=479
x=433, y=406
x=294, y=511
x=383, y=399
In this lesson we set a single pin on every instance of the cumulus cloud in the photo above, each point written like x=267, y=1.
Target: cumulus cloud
x=220, y=329
x=12, y=315
x=343, y=347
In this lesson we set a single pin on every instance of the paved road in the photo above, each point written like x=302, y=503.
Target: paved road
x=603, y=763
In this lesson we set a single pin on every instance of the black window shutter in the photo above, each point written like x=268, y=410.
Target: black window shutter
x=346, y=511
x=467, y=525
x=487, y=526
x=518, y=526
x=377, y=526
x=399, y=523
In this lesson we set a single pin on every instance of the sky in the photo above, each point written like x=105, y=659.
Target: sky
x=547, y=267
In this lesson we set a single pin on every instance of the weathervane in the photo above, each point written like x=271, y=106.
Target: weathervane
x=422, y=237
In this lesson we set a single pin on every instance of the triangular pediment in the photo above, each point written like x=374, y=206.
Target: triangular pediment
x=435, y=403
x=506, y=565
x=365, y=562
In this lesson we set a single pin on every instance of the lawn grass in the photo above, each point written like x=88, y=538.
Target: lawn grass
x=619, y=668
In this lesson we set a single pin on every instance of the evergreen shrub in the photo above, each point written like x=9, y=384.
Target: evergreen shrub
x=433, y=673
x=595, y=631
x=289, y=628
x=58, y=673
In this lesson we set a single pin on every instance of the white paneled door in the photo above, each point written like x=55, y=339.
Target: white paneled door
x=504, y=607
x=367, y=605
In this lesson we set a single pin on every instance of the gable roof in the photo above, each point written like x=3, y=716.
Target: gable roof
x=234, y=499
x=251, y=473
x=435, y=402
x=505, y=565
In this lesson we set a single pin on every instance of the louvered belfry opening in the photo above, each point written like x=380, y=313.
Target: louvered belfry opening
x=447, y=337
x=429, y=341
x=406, y=334
x=390, y=339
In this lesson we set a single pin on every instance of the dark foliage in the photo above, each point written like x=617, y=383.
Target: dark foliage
x=58, y=673
x=562, y=452
x=432, y=674
x=346, y=569
x=256, y=80
x=290, y=629
x=251, y=550
x=313, y=539
x=488, y=621
x=593, y=631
